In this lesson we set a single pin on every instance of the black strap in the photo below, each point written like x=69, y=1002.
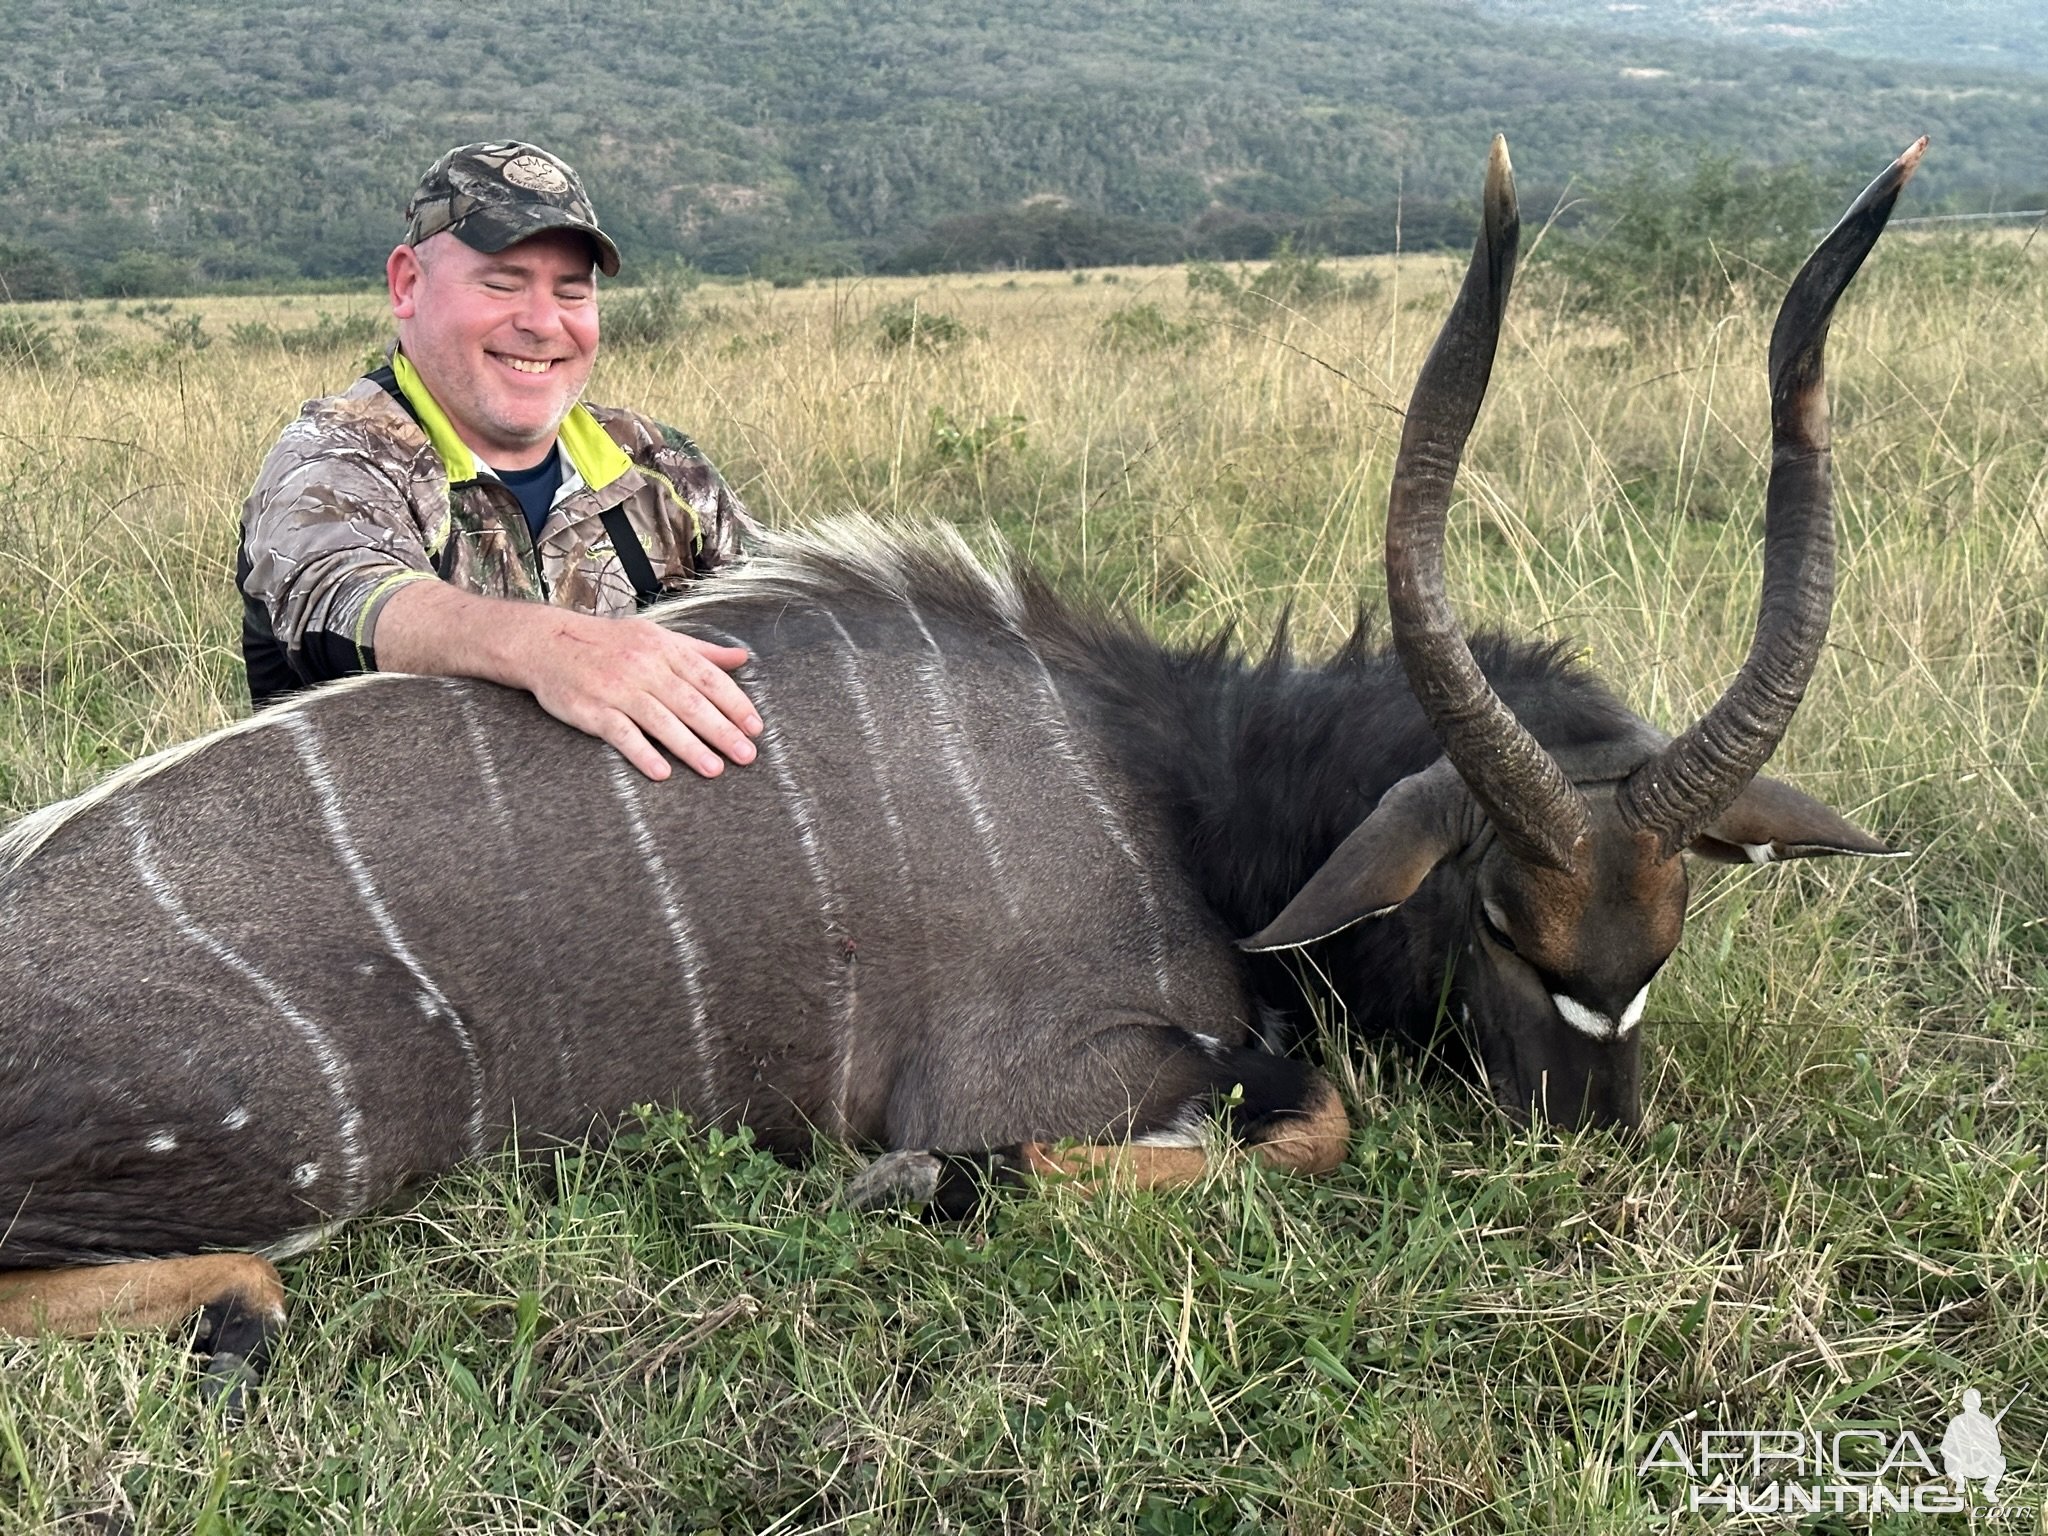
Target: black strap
x=632, y=556
x=386, y=379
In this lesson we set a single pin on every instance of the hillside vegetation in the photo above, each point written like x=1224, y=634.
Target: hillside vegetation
x=148, y=147
x=1837, y=1215
x=1972, y=34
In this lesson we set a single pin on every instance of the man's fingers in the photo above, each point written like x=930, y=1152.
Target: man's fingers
x=696, y=733
x=634, y=747
x=730, y=657
x=714, y=684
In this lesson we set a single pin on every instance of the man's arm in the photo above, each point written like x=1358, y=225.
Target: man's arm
x=335, y=550
x=637, y=685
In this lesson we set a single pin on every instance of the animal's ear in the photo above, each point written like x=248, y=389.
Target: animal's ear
x=1418, y=823
x=1771, y=820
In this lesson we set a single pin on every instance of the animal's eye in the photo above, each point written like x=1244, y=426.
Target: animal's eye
x=1496, y=929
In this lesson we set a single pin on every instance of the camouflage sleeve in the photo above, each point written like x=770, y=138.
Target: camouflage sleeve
x=333, y=527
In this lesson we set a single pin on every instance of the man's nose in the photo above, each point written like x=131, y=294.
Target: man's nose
x=540, y=314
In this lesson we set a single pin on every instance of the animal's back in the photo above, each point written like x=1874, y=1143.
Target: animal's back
x=266, y=983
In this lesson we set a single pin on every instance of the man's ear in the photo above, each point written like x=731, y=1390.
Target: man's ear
x=1771, y=820
x=402, y=272
x=1419, y=823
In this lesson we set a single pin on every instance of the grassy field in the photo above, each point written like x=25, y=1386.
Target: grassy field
x=1837, y=1219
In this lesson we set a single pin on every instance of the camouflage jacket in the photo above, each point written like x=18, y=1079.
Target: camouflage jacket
x=372, y=488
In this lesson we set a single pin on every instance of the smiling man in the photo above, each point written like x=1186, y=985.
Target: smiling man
x=460, y=511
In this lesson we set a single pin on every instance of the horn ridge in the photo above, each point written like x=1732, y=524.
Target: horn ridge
x=1697, y=776
x=1535, y=809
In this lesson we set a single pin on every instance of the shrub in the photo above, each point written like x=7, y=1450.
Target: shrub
x=28, y=273
x=654, y=313
x=145, y=274
x=1147, y=328
x=26, y=343
x=1657, y=242
x=328, y=333
x=912, y=325
x=1292, y=280
x=948, y=442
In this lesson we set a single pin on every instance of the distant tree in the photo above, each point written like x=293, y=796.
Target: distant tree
x=145, y=275
x=1040, y=236
x=1655, y=239
x=29, y=273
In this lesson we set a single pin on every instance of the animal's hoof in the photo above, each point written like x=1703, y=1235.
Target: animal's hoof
x=893, y=1182
x=235, y=1341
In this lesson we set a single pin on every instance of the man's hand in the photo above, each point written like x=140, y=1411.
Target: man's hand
x=639, y=686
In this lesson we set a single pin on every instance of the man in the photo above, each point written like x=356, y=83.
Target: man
x=459, y=512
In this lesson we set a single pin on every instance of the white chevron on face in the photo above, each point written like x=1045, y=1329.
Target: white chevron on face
x=1595, y=1024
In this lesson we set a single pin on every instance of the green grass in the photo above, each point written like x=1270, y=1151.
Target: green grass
x=1837, y=1214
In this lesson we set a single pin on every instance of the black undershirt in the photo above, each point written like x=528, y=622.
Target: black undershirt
x=535, y=488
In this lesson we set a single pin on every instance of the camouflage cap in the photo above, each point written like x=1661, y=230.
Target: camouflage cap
x=492, y=196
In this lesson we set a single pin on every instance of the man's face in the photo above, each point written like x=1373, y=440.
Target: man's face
x=504, y=342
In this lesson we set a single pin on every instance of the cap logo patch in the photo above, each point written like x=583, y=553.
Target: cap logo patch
x=535, y=174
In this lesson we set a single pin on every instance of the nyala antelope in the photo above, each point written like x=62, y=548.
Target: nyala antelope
x=1002, y=894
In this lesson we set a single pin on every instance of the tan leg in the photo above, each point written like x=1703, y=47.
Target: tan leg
x=147, y=1293
x=237, y=1298
x=1313, y=1141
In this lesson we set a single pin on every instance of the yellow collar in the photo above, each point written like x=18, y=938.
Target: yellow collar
x=592, y=453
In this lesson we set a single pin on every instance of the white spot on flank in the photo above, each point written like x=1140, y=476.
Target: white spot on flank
x=162, y=1141
x=1632, y=1015
x=1759, y=853
x=1586, y=1021
x=235, y=1118
x=307, y=740
x=305, y=1174
x=1208, y=1043
x=333, y=1067
x=1169, y=1137
x=954, y=752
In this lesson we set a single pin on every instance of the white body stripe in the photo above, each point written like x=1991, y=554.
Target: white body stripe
x=682, y=941
x=463, y=691
x=851, y=660
x=19, y=842
x=954, y=751
x=1060, y=727
x=434, y=1003
x=480, y=744
x=840, y=977
x=334, y=1069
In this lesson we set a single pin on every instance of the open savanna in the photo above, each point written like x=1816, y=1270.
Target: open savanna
x=1836, y=1216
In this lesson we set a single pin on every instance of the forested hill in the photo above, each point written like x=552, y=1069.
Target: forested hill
x=259, y=140
x=1975, y=34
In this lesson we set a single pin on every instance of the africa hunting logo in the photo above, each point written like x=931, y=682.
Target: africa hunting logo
x=1843, y=1469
